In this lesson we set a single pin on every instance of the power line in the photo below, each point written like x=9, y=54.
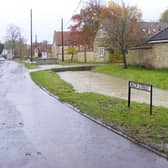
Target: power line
x=79, y=3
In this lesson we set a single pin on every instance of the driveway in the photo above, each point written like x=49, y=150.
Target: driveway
x=36, y=130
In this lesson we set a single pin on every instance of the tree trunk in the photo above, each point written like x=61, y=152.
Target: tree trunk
x=85, y=60
x=71, y=57
x=124, y=59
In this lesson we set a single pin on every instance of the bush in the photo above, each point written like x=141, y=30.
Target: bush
x=115, y=57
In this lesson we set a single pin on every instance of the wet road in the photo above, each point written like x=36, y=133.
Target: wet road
x=111, y=86
x=36, y=130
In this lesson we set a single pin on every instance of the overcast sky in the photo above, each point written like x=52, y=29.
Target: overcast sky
x=47, y=14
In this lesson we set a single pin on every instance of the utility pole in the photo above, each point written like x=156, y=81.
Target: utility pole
x=31, y=45
x=62, y=32
x=36, y=41
x=99, y=3
x=20, y=46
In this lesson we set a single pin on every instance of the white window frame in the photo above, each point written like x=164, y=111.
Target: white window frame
x=101, y=33
x=101, y=52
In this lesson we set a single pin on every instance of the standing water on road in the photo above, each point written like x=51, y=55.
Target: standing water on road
x=86, y=81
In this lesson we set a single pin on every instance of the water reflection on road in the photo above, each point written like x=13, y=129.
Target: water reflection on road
x=39, y=131
x=86, y=81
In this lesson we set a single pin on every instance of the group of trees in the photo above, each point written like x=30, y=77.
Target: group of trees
x=164, y=16
x=1, y=47
x=16, y=44
x=15, y=41
x=121, y=30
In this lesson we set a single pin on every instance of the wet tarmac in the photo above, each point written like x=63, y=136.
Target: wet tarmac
x=86, y=81
x=36, y=130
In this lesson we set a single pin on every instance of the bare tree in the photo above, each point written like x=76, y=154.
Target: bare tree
x=13, y=35
x=122, y=27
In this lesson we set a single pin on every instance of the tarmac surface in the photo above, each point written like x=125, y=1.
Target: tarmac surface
x=38, y=131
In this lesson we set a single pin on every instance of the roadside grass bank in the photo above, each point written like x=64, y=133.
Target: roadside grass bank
x=158, y=78
x=30, y=65
x=27, y=64
x=134, y=122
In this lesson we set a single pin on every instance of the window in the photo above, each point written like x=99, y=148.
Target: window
x=143, y=30
x=101, y=33
x=101, y=51
x=154, y=30
x=149, y=31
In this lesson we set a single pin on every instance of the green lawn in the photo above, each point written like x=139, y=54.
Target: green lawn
x=158, y=78
x=135, y=122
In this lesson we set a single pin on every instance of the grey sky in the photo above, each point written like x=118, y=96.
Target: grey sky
x=47, y=14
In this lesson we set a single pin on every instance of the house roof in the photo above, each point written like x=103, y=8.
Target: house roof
x=69, y=38
x=149, y=29
x=160, y=37
x=145, y=29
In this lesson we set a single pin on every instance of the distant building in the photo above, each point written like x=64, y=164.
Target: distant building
x=148, y=29
x=100, y=52
x=154, y=54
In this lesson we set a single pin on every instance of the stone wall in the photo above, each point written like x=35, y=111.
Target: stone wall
x=90, y=57
x=140, y=56
x=154, y=56
x=161, y=55
x=45, y=61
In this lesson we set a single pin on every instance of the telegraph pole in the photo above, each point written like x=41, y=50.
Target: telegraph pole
x=62, y=32
x=31, y=46
x=20, y=44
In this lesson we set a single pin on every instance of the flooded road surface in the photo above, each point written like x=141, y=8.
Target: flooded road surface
x=86, y=81
x=38, y=131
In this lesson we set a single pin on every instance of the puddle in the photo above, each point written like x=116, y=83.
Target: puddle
x=86, y=81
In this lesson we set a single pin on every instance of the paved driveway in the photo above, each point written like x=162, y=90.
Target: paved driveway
x=36, y=130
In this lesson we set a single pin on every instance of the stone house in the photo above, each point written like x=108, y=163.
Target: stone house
x=153, y=54
x=68, y=41
x=100, y=51
x=99, y=44
x=145, y=31
x=97, y=54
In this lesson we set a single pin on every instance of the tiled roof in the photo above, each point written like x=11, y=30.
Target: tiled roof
x=161, y=36
x=145, y=29
x=69, y=38
x=149, y=29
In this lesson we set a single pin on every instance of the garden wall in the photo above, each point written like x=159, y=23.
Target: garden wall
x=152, y=56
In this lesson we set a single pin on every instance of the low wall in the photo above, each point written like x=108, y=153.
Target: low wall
x=154, y=56
x=141, y=56
x=160, y=51
x=80, y=57
x=45, y=61
x=74, y=68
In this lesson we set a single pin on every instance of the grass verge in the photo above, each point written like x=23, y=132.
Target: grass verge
x=30, y=65
x=158, y=78
x=135, y=122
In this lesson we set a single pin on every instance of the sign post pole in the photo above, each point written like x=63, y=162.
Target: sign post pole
x=129, y=95
x=140, y=86
x=151, y=94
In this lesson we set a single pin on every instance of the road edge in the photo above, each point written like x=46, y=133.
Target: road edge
x=146, y=146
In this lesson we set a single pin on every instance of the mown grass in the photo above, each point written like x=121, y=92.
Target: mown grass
x=158, y=78
x=136, y=121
